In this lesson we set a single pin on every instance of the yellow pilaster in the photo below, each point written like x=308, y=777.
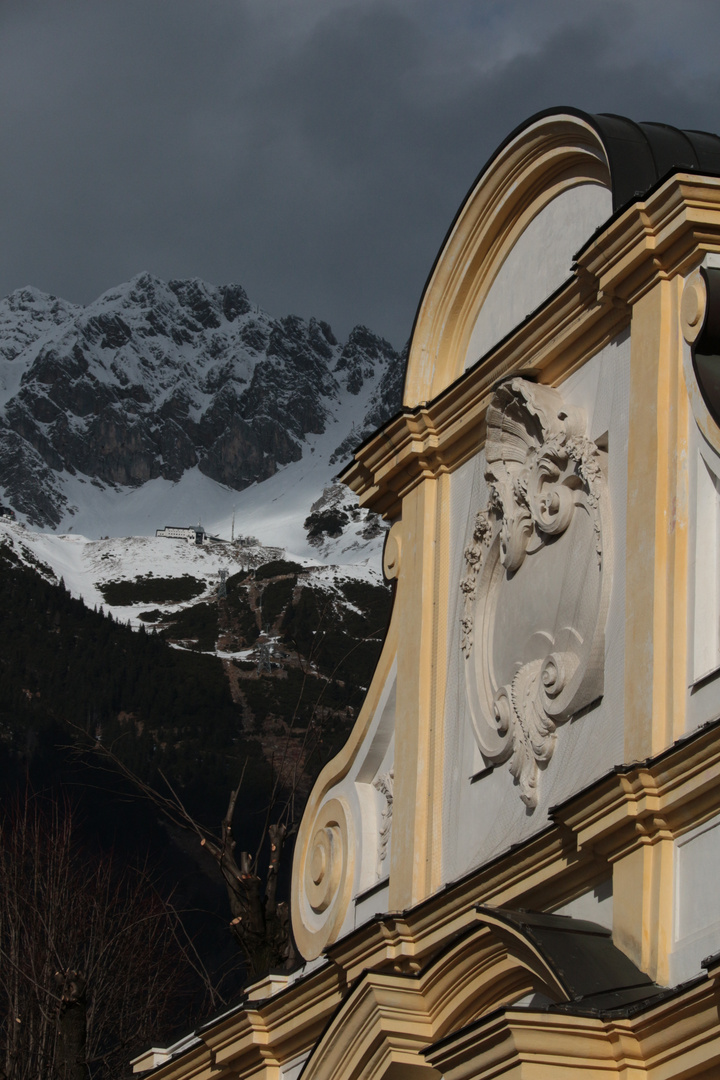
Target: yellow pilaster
x=656, y=607
x=642, y=906
x=416, y=868
x=656, y=538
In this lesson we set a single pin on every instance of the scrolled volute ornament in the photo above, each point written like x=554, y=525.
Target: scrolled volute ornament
x=326, y=850
x=537, y=580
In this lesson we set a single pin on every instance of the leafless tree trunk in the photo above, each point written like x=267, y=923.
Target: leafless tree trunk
x=259, y=922
x=71, y=1050
x=92, y=960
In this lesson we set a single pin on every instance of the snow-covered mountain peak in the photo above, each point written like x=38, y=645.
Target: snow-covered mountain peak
x=179, y=388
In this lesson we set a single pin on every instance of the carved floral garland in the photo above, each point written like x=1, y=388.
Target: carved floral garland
x=384, y=784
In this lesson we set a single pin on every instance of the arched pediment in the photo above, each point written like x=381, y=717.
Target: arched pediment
x=554, y=164
x=546, y=190
x=392, y=1015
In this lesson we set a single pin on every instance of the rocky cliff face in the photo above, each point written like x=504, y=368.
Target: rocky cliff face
x=156, y=378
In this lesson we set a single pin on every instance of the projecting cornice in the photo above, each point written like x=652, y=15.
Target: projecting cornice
x=642, y=803
x=665, y=235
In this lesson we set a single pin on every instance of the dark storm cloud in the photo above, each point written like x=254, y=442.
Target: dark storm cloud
x=314, y=151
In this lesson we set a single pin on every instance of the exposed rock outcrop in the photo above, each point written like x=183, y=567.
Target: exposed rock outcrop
x=156, y=378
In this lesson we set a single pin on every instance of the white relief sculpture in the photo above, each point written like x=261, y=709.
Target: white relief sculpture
x=384, y=784
x=537, y=579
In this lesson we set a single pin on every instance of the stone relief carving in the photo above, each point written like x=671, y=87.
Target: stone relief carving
x=536, y=582
x=384, y=784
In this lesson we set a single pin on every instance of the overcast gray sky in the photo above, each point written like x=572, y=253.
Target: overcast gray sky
x=315, y=151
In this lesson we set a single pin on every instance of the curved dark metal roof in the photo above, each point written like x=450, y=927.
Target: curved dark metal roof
x=640, y=155
x=589, y=967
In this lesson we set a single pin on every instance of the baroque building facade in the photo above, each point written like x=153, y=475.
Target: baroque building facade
x=511, y=868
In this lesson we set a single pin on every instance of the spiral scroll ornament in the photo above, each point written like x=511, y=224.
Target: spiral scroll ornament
x=326, y=875
x=536, y=582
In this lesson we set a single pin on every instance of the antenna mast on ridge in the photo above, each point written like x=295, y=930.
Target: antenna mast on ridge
x=222, y=587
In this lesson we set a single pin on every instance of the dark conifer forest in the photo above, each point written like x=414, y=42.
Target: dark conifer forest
x=190, y=724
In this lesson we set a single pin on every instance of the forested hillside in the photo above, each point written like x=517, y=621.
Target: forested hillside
x=70, y=674
x=261, y=685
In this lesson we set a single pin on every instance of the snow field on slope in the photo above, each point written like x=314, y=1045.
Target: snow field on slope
x=273, y=511
x=85, y=564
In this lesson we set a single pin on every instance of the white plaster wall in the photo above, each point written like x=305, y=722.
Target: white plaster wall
x=485, y=816
x=703, y=480
x=292, y=1070
x=538, y=263
x=596, y=905
x=703, y=579
x=373, y=902
x=366, y=805
x=696, y=921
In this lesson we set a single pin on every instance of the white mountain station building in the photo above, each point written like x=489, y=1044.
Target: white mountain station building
x=194, y=534
x=512, y=868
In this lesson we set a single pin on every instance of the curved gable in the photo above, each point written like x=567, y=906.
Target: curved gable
x=507, y=958
x=548, y=160
x=547, y=189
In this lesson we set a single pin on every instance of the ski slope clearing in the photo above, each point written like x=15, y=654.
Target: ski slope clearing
x=274, y=511
x=87, y=567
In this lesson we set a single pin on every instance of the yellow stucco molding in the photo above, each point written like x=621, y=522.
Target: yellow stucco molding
x=390, y=1017
x=655, y=239
x=441, y=944
x=675, y=1040
x=455, y=1018
x=432, y=439
x=415, y=859
x=543, y=873
x=521, y=1044
x=547, y=158
x=656, y=552
x=258, y=1040
x=644, y=803
x=652, y=241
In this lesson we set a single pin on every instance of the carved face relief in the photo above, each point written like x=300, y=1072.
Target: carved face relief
x=537, y=580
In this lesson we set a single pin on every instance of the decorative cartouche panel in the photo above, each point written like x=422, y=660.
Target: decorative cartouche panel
x=537, y=580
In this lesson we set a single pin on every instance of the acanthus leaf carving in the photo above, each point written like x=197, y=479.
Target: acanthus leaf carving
x=536, y=581
x=384, y=784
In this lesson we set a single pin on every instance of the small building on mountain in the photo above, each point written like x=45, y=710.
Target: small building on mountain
x=194, y=534
x=510, y=870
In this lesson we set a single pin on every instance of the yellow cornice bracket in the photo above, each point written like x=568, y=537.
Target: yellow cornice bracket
x=665, y=235
x=673, y=791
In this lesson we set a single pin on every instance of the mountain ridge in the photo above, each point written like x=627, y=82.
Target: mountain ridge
x=155, y=381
